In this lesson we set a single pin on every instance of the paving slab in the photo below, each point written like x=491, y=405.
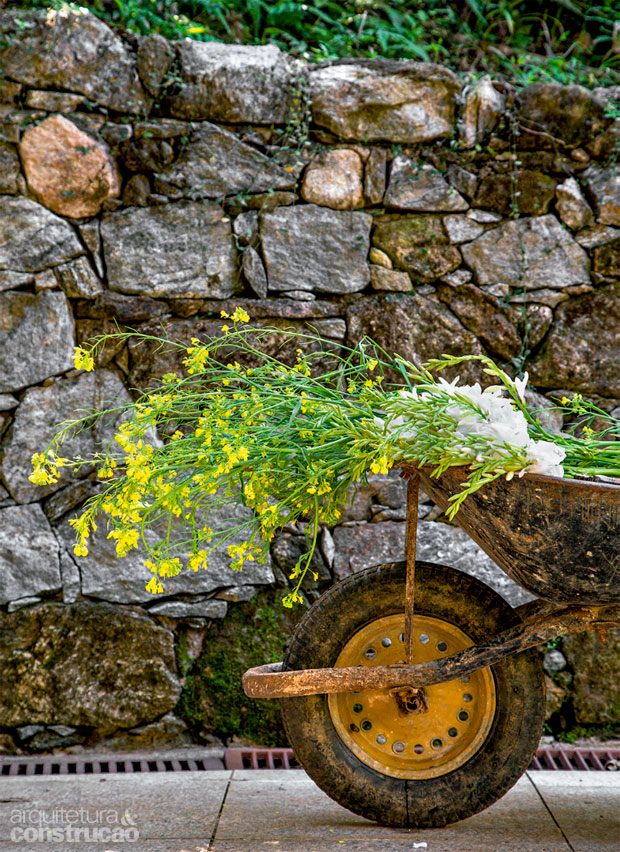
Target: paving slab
x=586, y=805
x=286, y=812
x=168, y=811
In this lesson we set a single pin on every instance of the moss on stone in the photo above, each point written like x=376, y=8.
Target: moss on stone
x=212, y=699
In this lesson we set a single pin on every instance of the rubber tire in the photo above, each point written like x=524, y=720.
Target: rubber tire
x=520, y=698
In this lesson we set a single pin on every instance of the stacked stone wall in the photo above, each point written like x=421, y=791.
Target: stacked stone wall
x=153, y=184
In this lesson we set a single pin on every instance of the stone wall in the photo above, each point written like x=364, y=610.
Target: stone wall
x=150, y=183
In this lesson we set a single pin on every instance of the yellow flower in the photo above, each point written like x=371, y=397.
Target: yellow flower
x=240, y=315
x=225, y=329
x=83, y=360
x=380, y=465
x=154, y=587
x=371, y=365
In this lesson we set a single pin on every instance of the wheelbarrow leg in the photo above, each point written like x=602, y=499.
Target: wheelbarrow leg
x=413, y=485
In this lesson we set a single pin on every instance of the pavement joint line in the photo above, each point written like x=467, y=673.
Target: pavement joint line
x=219, y=814
x=550, y=812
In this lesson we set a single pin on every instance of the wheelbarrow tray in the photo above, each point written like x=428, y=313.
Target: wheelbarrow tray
x=557, y=538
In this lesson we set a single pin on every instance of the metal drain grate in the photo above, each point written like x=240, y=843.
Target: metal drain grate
x=197, y=760
x=260, y=758
x=576, y=759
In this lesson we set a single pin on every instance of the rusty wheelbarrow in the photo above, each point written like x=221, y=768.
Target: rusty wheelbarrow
x=412, y=693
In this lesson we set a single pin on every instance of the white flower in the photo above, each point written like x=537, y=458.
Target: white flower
x=520, y=385
x=545, y=457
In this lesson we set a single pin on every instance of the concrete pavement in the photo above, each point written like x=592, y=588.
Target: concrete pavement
x=283, y=811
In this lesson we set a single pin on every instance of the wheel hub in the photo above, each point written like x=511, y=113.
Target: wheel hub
x=406, y=732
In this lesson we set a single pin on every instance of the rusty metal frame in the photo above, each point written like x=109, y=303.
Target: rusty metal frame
x=269, y=681
x=411, y=534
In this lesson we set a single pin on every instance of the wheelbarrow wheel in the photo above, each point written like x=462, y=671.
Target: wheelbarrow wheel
x=413, y=764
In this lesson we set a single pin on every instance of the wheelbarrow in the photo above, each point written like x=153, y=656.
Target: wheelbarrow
x=412, y=693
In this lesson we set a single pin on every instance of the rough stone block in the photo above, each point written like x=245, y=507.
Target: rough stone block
x=527, y=192
x=604, y=187
x=70, y=48
x=154, y=58
x=313, y=248
x=580, y=352
x=29, y=557
x=528, y=254
x=483, y=107
x=36, y=338
x=107, y=577
x=235, y=83
x=375, y=176
x=112, y=668
x=334, y=179
x=572, y=207
x=418, y=245
x=571, y=115
x=480, y=313
x=415, y=327
x=417, y=186
x=9, y=169
x=214, y=163
x=77, y=278
x=183, y=249
x=383, y=100
x=37, y=419
x=389, y=279
x=32, y=238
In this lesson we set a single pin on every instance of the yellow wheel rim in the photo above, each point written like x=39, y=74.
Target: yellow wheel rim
x=425, y=745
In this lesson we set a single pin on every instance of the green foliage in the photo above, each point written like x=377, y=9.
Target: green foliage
x=568, y=41
x=212, y=699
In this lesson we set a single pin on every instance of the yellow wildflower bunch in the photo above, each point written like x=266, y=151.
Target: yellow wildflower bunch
x=285, y=437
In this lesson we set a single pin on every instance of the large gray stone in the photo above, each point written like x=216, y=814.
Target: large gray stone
x=419, y=186
x=361, y=546
x=316, y=249
x=482, y=315
x=580, y=352
x=528, y=254
x=36, y=338
x=123, y=580
x=377, y=100
x=604, y=187
x=9, y=280
x=72, y=50
x=415, y=327
x=32, y=238
x=235, y=83
x=182, y=249
x=214, y=163
x=38, y=418
x=29, y=557
x=85, y=664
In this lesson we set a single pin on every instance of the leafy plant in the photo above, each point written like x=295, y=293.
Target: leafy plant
x=566, y=41
x=288, y=442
